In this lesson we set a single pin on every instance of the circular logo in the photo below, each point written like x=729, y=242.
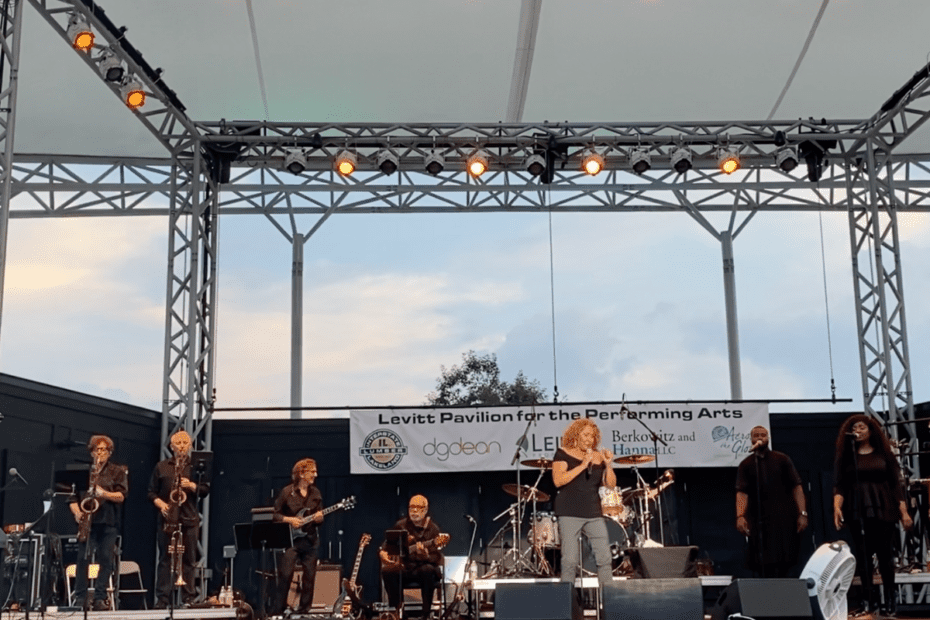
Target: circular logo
x=383, y=449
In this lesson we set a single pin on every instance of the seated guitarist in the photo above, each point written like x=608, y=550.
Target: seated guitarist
x=299, y=497
x=424, y=558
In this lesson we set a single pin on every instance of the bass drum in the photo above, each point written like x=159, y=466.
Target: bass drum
x=544, y=531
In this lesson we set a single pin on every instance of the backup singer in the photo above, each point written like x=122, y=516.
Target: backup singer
x=770, y=507
x=869, y=497
x=112, y=485
x=578, y=469
x=160, y=489
x=299, y=497
x=424, y=558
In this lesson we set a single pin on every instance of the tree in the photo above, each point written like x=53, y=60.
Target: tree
x=477, y=382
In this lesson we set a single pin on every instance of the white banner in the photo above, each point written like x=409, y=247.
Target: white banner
x=485, y=438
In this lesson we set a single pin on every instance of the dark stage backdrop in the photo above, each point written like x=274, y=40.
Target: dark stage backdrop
x=45, y=428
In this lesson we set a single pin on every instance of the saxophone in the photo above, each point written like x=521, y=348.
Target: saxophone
x=177, y=496
x=90, y=504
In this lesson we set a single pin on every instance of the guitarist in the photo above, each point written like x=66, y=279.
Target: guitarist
x=162, y=485
x=301, y=496
x=422, y=564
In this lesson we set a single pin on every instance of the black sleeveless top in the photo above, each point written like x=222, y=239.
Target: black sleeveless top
x=579, y=498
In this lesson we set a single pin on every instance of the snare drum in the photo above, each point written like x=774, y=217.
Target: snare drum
x=544, y=531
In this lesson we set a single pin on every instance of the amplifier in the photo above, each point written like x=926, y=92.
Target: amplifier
x=22, y=570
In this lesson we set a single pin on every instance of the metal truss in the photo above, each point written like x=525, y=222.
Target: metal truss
x=81, y=186
x=11, y=26
x=163, y=114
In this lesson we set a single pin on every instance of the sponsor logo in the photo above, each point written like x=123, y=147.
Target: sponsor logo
x=383, y=449
x=442, y=451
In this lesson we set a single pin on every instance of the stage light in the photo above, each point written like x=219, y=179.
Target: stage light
x=640, y=160
x=681, y=160
x=592, y=162
x=111, y=68
x=295, y=162
x=434, y=163
x=477, y=163
x=388, y=162
x=346, y=163
x=786, y=158
x=535, y=165
x=80, y=34
x=728, y=161
x=132, y=94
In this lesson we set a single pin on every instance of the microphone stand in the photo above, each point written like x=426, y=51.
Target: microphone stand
x=521, y=442
x=758, y=516
x=860, y=519
x=655, y=451
x=466, y=577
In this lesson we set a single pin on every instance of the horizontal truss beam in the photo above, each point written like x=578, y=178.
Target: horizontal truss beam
x=48, y=186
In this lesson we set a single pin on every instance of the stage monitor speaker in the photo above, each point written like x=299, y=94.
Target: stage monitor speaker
x=328, y=585
x=654, y=599
x=533, y=601
x=764, y=599
x=664, y=562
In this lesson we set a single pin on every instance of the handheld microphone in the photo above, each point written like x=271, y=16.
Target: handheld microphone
x=852, y=435
x=16, y=474
x=590, y=466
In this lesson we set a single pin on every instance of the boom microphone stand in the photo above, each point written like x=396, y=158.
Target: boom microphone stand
x=655, y=451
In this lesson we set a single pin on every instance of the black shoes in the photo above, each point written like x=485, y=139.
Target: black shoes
x=100, y=605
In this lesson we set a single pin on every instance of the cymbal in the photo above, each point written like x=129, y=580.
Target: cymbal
x=525, y=492
x=538, y=463
x=634, y=459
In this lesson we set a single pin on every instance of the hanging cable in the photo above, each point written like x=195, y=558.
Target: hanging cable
x=258, y=58
x=797, y=65
x=555, y=373
x=826, y=303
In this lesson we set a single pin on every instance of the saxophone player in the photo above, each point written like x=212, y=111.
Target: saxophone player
x=175, y=496
x=98, y=522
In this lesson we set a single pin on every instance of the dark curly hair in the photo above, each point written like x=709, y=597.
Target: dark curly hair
x=877, y=439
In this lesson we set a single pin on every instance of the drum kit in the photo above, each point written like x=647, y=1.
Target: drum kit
x=630, y=511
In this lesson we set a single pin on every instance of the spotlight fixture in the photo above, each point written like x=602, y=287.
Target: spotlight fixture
x=80, y=34
x=640, y=160
x=110, y=67
x=786, y=158
x=477, y=163
x=592, y=162
x=681, y=160
x=388, y=162
x=346, y=163
x=434, y=163
x=295, y=162
x=535, y=164
x=728, y=161
x=132, y=94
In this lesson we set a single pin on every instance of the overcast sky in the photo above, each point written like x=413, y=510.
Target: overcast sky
x=389, y=299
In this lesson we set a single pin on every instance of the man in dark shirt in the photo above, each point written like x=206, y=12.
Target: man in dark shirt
x=770, y=507
x=299, y=505
x=110, y=490
x=423, y=559
x=177, y=516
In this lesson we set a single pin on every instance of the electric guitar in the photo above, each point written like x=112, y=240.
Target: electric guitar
x=306, y=515
x=393, y=561
x=351, y=591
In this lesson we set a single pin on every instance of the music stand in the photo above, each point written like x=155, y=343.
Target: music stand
x=72, y=479
x=263, y=536
x=395, y=543
x=202, y=465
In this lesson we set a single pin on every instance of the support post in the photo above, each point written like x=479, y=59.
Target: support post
x=729, y=293
x=297, y=322
x=12, y=26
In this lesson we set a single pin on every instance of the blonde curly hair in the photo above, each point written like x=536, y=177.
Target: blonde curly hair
x=573, y=433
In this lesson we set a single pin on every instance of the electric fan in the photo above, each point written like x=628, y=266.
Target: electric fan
x=830, y=573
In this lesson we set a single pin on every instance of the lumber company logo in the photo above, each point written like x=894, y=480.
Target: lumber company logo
x=383, y=449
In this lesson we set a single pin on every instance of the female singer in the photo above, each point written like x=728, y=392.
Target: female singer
x=869, y=497
x=578, y=469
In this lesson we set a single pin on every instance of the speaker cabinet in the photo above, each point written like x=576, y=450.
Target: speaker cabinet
x=664, y=562
x=654, y=599
x=533, y=601
x=768, y=599
x=21, y=573
x=326, y=589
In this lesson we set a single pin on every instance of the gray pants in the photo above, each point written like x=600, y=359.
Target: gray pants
x=595, y=530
